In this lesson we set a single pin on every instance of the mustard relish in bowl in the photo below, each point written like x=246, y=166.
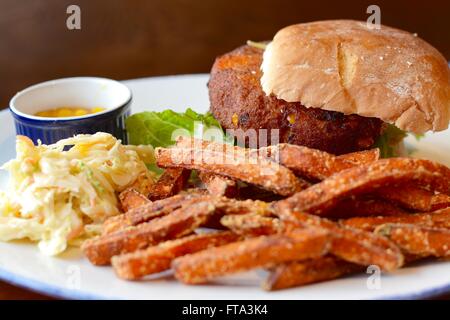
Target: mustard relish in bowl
x=59, y=109
x=65, y=112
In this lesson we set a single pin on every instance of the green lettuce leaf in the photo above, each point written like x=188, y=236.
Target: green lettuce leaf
x=160, y=128
x=389, y=140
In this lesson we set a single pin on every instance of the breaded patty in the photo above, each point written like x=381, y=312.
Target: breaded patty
x=238, y=102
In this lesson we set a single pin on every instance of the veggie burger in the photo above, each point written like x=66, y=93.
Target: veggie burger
x=336, y=85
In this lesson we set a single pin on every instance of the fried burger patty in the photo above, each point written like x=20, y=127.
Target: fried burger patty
x=238, y=102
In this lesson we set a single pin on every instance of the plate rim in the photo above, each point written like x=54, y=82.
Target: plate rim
x=57, y=291
x=51, y=290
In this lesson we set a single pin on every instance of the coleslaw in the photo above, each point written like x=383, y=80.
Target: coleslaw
x=60, y=194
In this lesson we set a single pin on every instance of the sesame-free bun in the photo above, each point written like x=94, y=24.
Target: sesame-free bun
x=344, y=66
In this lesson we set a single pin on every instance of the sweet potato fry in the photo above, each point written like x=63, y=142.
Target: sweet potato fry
x=143, y=184
x=238, y=207
x=436, y=219
x=418, y=240
x=219, y=185
x=361, y=157
x=363, y=206
x=251, y=224
x=353, y=245
x=366, y=179
x=315, y=164
x=440, y=218
x=298, y=273
x=236, y=165
x=318, y=165
x=227, y=206
x=213, y=146
x=366, y=249
x=370, y=223
x=115, y=223
x=131, y=198
x=135, y=265
x=249, y=155
x=180, y=222
x=165, y=206
x=414, y=198
x=252, y=253
x=170, y=183
x=252, y=192
x=148, y=211
x=161, y=207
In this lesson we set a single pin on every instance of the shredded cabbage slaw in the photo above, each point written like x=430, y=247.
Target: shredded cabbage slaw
x=60, y=194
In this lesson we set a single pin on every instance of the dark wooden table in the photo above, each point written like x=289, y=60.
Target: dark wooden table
x=9, y=292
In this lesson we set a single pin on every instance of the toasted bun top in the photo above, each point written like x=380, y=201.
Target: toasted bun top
x=342, y=65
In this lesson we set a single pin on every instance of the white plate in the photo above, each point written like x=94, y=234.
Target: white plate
x=71, y=276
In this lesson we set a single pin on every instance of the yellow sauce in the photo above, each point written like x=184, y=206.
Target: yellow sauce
x=65, y=112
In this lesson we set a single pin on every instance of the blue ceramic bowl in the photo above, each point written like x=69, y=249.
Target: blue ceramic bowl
x=85, y=92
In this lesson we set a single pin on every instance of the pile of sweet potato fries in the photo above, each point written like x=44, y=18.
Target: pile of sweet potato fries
x=302, y=214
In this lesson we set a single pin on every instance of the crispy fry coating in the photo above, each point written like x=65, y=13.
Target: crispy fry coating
x=240, y=207
x=115, y=223
x=236, y=165
x=219, y=185
x=310, y=163
x=298, y=273
x=170, y=183
x=252, y=253
x=180, y=222
x=418, y=240
x=436, y=219
x=315, y=164
x=161, y=207
x=414, y=198
x=366, y=179
x=247, y=154
x=318, y=165
x=251, y=224
x=360, y=157
x=362, y=206
x=227, y=206
x=221, y=147
x=164, y=207
x=366, y=249
x=135, y=265
x=143, y=184
x=131, y=198
x=148, y=211
x=354, y=245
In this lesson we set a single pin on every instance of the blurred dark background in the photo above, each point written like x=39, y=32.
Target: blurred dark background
x=130, y=39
